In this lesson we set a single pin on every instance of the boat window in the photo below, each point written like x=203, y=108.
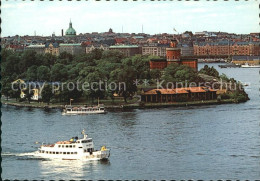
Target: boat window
x=57, y=152
x=60, y=152
x=86, y=141
x=43, y=151
x=85, y=150
x=70, y=146
x=59, y=146
x=74, y=146
x=75, y=152
x=53, y=152
x=80, y=147
x=68, y=152
x=67, y=146
x=47, y=152
x=64, y=153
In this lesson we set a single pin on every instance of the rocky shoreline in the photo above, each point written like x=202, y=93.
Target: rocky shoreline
x=132, y=106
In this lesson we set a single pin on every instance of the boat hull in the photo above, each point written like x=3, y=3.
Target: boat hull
x=96, y=155
x=85, y=112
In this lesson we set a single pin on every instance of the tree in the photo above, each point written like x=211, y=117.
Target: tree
x=47, y=93
x=125, y=76
x=43, y=73
x=59, y=72
x=28, y=94
x=28, y=59
x=31, y=73
x=211, y=71
x=6, y=87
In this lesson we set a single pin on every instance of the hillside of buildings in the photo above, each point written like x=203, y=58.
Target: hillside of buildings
x=103, y=69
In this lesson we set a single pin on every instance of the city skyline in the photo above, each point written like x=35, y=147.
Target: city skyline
x=128, y=17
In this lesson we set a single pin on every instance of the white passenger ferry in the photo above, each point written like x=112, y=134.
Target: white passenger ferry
x=74, y=149
x=73, y=110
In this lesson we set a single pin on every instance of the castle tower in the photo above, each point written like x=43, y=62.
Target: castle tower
x=173, y=53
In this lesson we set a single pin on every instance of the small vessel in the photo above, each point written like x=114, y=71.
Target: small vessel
x=74, y=149
x=246, y=65
x=72, y=110
x=229, y=65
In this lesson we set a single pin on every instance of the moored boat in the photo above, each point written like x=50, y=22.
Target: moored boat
x=74, y=149
x=246, y=65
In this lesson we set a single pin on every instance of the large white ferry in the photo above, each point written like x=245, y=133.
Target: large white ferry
x=73, y=110
x=74, y=149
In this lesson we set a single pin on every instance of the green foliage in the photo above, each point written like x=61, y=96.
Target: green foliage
x=180, y=74
x=211, y=71
x=47, y=93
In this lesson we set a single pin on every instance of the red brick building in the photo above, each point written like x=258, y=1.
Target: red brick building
x=226, y=48
x=173, y=55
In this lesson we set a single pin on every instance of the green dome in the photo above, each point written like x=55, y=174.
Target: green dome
x=70, y=31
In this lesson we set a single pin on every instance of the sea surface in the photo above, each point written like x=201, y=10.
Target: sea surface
x=199, y=142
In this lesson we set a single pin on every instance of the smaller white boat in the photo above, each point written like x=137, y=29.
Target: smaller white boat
x=74, y=149
x=250, y=66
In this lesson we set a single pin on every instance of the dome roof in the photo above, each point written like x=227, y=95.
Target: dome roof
x=70, y=31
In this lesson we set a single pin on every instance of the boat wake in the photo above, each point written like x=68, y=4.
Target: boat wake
x=22, y=156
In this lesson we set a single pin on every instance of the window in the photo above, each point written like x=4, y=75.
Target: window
x=75, y=152
x=67, y=146
x=68, y=153
x=70, y=146
x=59, y=146
x=64, y=153
x=57, y=152
x=74, y=146
x=62, y=146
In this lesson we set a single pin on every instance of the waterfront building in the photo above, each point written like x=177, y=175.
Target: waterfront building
x=226, y=47
x=251, y=60
x=40, y=49
x=52, y=48
x=70, y=32
x=73, y=49
x=127, y=50
x=178, y=94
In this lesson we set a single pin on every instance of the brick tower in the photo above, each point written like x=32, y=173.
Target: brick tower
x=173, y=53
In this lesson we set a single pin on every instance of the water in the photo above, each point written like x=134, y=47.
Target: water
x=202, y=142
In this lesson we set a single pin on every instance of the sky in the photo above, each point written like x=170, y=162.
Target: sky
x=45, y=17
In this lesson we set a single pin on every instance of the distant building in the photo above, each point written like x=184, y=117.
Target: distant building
x=187, y=50
x=127, y=50
x=225, y=47
x=15, y=48
x=40, y=49
x=254, y=60
x=73, y=49
x=155, y=49
x=52, y=48
x=70, y=32
x=90, y=48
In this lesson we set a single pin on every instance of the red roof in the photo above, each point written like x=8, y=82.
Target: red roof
x=184, y=90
